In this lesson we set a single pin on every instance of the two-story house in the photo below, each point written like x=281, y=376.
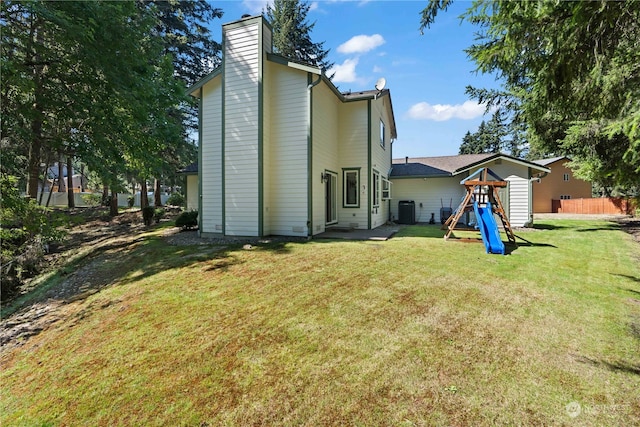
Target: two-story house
x=281, y=150
x=561, y=184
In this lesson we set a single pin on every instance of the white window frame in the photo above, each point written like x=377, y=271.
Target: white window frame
x=345, y=172
x=383, y=132
x=565, y=177
x=375, y=178
x=386, y=189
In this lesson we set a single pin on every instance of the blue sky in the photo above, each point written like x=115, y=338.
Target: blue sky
x=426, y=74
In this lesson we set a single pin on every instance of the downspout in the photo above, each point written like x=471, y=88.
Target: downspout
x=536, y=178
x=200, y=164
x=310, y=86
x=390, y=218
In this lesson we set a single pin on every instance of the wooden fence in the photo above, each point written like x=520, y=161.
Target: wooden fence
x=602, y=206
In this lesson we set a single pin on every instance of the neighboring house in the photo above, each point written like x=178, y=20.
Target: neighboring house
x=191, y=191
x=282, y=151
x=559, y=185
x=434, y=182
x=52, y=182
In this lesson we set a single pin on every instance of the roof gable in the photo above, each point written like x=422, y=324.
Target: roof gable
x=206, y=79
x=547, y=162
x=420, y=167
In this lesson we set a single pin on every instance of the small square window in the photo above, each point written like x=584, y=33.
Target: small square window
x=565, y=177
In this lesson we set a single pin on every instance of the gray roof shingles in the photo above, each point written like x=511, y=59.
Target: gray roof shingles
x=422, y=167
x=434, y=166
x=547, y=162
x=192, y=168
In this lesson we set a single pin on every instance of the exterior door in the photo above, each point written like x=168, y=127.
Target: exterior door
x=331, y=198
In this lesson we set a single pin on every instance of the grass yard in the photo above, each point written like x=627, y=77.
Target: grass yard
x=414, y=331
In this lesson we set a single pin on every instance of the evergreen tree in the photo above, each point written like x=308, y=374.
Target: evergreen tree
x=292, y=33
x=571, y=72
x=184, y=29
x=468, y=145
x=495, y=136
x=102, y=82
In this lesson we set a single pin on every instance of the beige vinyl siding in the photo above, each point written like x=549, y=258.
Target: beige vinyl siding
x=286, y=169
x=192, y=195
x=267, y=38
x=432, y=193
x=352, y=153
x=211, y=174
x=381, y=157
x=241, y=138
x=552, y=186
x=325, y=127
x=519, y=209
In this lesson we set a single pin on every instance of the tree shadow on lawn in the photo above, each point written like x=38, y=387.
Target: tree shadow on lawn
x=627, y=276
x=538, y=226
x=464, y=236
x=610, y=226
x=617, y=366
x=216, y=255
x=115, y=264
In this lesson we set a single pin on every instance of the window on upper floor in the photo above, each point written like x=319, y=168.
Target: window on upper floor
x=565, y=197
x=382, y=134
x=565, y=177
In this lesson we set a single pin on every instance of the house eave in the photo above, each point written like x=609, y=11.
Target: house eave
x=511, y=159
x=278, y=59
x=351, y=97
x=418, y=176
x=193, y=90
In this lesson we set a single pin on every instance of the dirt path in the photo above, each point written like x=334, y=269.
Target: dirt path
x=89, y=246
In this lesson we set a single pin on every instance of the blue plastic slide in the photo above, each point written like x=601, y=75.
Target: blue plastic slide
x=488, y=229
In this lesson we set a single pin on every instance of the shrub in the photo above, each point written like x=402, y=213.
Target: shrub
x=158, y=214
x=147, y=214
x=92, y=199
x=131, y=201
x=175, y=199
x=187, y=220
x=27, y=229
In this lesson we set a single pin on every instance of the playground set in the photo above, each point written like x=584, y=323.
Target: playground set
x=483, y=200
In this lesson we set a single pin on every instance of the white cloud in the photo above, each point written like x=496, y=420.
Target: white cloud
x=439, y=113
x=361, y=44
x=377, y=69
x=345, y=72
x=255, y=7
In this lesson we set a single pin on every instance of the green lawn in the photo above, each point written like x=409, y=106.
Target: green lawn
x=414, y=331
